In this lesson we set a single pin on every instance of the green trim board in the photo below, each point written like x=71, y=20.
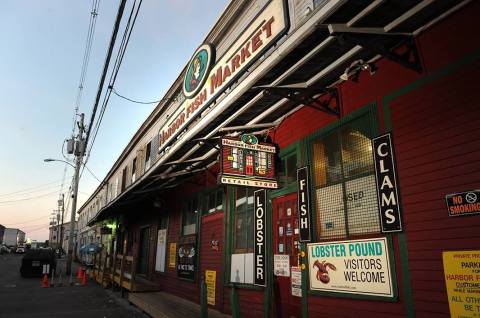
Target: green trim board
x=387, y=112
x=369, y=109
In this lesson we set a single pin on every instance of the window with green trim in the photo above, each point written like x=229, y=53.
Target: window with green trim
x=189, y=217
x=289, y=165
x=343, y=175
x=243, y=221
x=213, y=202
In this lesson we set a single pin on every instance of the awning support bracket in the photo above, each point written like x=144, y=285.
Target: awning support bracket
x=372, y=41
x=308, y=97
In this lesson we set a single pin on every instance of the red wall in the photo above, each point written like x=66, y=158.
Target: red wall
x=436, y=130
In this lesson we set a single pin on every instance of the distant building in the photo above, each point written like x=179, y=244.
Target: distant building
x=2, y=230
x=55, y=235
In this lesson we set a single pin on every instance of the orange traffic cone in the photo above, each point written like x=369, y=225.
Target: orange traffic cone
x=84, y=279
x=79, y=274
x=45, y=281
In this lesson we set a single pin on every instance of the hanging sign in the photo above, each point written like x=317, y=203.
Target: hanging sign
x=259, y=207
x=303, y=198
x=210, y=281
x=186, y=257
x=296, y=281
x=207, y=77
x=247, y=162
x=172, y=255
x=354, y=267
x=161, y=250
x=386, y=180
x=465, y=203
x=462, y=278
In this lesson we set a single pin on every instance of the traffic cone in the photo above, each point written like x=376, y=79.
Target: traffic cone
x=79, y=274
x=84, y=279
x=45, y=281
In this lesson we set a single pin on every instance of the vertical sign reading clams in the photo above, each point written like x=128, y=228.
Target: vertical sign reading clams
x=303, y=198
x=387, y=189
x=259, y=206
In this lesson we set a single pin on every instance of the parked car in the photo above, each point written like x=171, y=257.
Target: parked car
x=20, y=249
x=4, y=249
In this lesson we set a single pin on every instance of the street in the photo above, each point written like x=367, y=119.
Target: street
x=25, y=297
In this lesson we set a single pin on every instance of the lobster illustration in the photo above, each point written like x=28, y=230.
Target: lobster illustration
x=322, y=270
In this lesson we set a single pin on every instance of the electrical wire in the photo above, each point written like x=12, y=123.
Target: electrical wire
x=8, y=202
x=25, y=222
x=138, y=102
x=32, y=189
x=113, y=76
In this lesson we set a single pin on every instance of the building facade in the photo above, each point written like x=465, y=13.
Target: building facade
x=2, y=230
x=313, y=158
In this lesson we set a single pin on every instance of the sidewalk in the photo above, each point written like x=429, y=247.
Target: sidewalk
x=165, y=305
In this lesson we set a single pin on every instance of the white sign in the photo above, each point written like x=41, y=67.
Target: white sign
x=259, y=183
x=161, y=250
x=257, y=37
x=281, y=265
x=296, y=281
x=353, y=267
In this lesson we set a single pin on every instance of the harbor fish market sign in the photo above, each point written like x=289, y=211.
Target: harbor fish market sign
x=353, y=267
x=203, y=82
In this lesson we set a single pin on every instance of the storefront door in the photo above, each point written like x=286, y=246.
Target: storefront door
x=143, y=252
x=285, y=250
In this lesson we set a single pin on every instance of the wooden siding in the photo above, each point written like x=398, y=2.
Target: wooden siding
x=437, y=141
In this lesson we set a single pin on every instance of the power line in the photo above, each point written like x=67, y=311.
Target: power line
x=2, y=203
x=113, y=76
x=138, y=102
x=25, y=222
x=32, y=189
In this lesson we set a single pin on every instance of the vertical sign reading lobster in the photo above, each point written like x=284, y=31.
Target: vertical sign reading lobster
x=259, y=265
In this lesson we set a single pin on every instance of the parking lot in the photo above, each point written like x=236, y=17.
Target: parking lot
x=25, y=297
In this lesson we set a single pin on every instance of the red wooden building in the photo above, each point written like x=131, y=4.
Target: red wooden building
x=362, y=231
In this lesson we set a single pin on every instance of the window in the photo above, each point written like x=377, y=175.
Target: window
x=189, y=217
x=124, y=178
x=134, y=169
x=147, y=155
x=213, y=202
x=344, y=181
x=243, y=220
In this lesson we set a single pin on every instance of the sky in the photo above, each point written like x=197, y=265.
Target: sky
x=41, y=52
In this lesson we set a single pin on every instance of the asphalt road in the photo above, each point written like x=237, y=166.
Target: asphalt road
x=24, y=297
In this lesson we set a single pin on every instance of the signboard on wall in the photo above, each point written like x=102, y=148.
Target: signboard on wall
x=296, y=281
x=462, y=279
x=281, y=265
x=465, y=203
x=172, y=255
x=203, y=82
x=353, y=267
x=161, y=250
x=303, y=198
x=387, y=187
x=187, y=252
x=259, y=262
x=210, y=281
x=248, y=163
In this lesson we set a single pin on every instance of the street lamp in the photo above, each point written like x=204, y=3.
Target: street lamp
x=50, y=160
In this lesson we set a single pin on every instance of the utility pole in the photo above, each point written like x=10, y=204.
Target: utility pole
x=79, y=152
x=61, y=207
